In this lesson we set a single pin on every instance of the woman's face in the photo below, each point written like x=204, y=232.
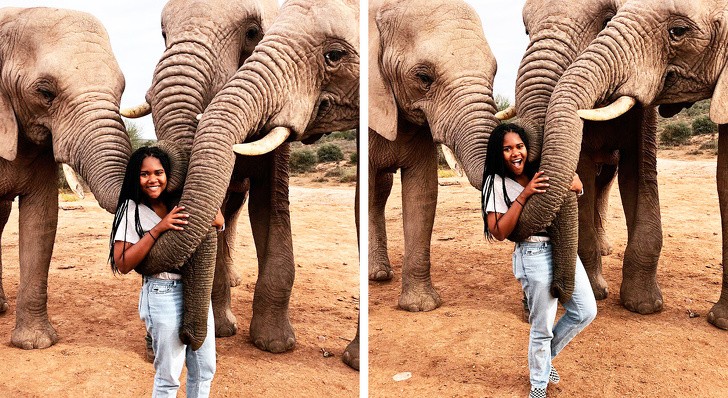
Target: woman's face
x=514, y=153
x=152, y=177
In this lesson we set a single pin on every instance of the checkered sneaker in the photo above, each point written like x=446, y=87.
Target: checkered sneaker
x=537, y=393
x=554, y=376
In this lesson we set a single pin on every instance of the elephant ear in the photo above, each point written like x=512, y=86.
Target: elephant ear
x=382, y=105
x=8, y=129
x=718, y=108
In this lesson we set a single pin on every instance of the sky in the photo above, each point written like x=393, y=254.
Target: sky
x=136, y=39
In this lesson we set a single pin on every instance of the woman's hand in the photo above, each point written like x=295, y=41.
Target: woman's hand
x=576, y=185
x=175, y=219
x=537, y=184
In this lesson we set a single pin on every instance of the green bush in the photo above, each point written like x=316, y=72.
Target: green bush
x=348, y=135
x=703, y=125
x=698, y=108
x=354, y=158
x=329, y=153
x=675, y=134
x=302, y=160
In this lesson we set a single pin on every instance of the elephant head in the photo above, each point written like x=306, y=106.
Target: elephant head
x=438, y=71
x=559, y=31
x=60, y=86
x=206, y=42
x=303, y=76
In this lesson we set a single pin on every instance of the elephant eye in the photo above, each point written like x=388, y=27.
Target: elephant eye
x=252, y=33
x=47, y=95
x=334, y=56
x=678, y=32
x=606, y=21
x=426, y=79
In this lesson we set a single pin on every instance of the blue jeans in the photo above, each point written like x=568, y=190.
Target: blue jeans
x=160, y=307
x=532, y=266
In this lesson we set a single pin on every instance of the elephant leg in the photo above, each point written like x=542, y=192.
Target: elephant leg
x=225, y=322
x=419, y=202
x=718, y=315
x=270, y=327
x=197, y=277
x=237, y=195
x=589, y=250
x=639, y=291
x=38, y=219
x=5, y=206
x=351, y=353
x=380, y=269
x=603, y=182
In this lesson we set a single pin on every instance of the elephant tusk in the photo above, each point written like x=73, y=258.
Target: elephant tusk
x=609, y=112
x=507, y=113
x=198, y=117
x=451, y=161
x=271, y=141
x=72, y=180
x=137, y=111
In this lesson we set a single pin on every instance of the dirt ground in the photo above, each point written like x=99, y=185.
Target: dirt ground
x=475, y=344
x=101, y=347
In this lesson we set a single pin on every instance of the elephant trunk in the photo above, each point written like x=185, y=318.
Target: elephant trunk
x=93, y=140
x=240, y=110
x=465, y=126
x=182, y=88
x=546, y=58
x=589, y=80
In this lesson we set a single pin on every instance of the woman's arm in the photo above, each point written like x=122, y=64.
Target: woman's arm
x=501, y=225
x=128, y=255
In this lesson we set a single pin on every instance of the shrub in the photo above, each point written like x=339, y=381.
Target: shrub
x=354, y=158
x=703, y=125
x=709, y=145
x=302, y=160
x=348, y=135
x=329, y=153
x=675, y=134
x=699, y=108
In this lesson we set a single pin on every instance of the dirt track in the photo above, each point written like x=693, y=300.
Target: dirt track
x=101, y=346
x=475, y=344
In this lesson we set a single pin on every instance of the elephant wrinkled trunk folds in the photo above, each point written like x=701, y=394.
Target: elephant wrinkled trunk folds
x=459, y=123
x=101, y=149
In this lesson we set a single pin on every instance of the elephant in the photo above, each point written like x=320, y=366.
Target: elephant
x=300, y=83
x=205, y=46
x=60, y=88
x=558, y=33
x=681, y=61
x=430, y=81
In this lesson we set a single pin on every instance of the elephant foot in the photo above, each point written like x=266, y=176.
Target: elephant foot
x=641, y=296
x=599, y=286
x=718, y=315
x=225, y=323
x=605, y=248
x=422, y=299
x=351, y=354
x=272, y=333
x=39, y=334
x=233, y=277
x=380, y=272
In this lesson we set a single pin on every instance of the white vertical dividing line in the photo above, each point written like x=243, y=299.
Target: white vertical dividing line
x=363, y=198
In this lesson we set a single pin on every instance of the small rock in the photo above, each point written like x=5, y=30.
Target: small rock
x=402, y=376
x=692, y=314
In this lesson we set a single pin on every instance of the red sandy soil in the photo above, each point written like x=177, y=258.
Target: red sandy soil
x=101, y=347
x=475, y=344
